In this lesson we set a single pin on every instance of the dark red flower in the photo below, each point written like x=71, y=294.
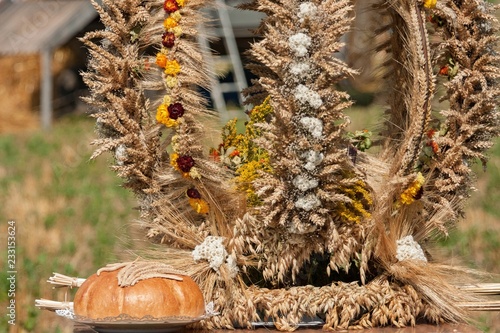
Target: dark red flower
x=168, y=39
x=175, y=110
x=193, y=193
x=185, y=163
x=170, y=6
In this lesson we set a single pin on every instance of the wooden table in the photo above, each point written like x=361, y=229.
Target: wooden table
x=448, y=328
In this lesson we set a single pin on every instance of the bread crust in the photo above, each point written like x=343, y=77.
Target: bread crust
x=100, y=296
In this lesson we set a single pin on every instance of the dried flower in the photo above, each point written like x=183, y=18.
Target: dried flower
x=163, y=116
x=300, y=69
x=430, y=3
x=172, y=67
x=412, y=192
x=167, y=100
x=312, y=159
x=185, y=163
x=308, y=202
x=214, y=154
x=299, y=44
x=161, y=59
x=180, y=2
x=176, y=16
x=173, y=160
x=444, y=70
x=168, y=39
x=212, y=249
x=169, y=23
x=307, y=10
x=304, y=183
x=170, y=6
x=199, y=205
x=177, y=31
x=194, y=173
x=313, y=126
x=409, y=249
x=171, y=81
x=307, y=96
x=176, y=110
x=193, y=193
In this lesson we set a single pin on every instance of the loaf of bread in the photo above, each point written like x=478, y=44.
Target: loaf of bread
x=100, y=296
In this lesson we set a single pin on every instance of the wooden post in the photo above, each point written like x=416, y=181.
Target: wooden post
x=46, y=89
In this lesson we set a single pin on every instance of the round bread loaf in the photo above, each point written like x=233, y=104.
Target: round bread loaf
x=100, y=296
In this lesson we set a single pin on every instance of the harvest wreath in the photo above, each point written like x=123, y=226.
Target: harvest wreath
x=296, y=218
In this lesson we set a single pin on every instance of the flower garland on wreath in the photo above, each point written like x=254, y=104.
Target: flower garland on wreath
x=170, y=112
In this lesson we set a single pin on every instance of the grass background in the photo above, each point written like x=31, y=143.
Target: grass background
x=72, y=217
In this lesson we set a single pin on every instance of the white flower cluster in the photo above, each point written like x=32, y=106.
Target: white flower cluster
x=305, y=95
x=312, y=159
x=299, y=44
x=408, y=249
x=313, y=126
x=300, y=69
x=212, y=250
x=307, y=10
x=308, y=202
x=121, y=154
x=304, y=183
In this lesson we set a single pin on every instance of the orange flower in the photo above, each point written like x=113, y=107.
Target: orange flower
x=214, y=154
x=161, y=60
x=435, y=147
x=172, y=67
x=170, y=6
x=180, y=2
x=445, y=70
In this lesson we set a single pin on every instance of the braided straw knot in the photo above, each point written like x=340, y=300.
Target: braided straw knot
x=135, y=271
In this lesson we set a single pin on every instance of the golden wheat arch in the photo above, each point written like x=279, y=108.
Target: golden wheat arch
x=280, y=223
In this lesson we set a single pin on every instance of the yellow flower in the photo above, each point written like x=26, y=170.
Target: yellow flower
x=169, y=23
x=163, y=117
x=177, y=31
x=180, y=2
x=430, y=3
x=171, y=81
x=172, y=67
x=176, y=16
x=411, y=193
x=161, y=59
x=199, y=205
x=173, y=160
